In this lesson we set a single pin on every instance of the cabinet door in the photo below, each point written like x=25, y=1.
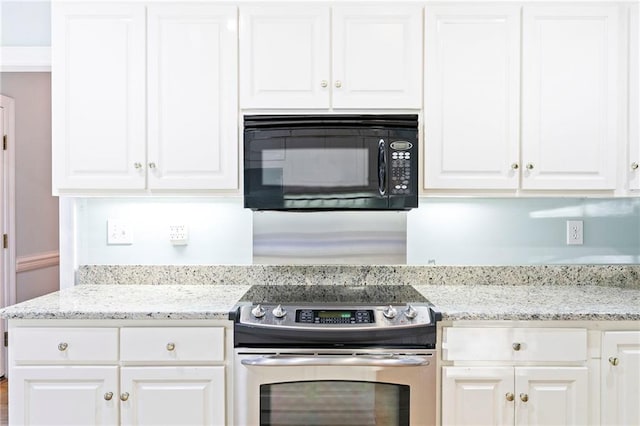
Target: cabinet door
x=173, y=396
x=569, y=106
x=377, y=56
x=477, y=396
x=98, y=95
x=472, y=118
x=192, y=76
x=551, y=396
x=64, y=395
x=620, y=378
x=284, y=56
x=634, y=98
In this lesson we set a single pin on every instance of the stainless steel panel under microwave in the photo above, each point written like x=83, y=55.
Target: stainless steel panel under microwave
x=330, y=162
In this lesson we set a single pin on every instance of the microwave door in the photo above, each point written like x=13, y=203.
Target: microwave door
x=320, y=169
x=332, y=172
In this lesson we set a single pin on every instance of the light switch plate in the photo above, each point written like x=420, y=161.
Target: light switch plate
x=119, y=232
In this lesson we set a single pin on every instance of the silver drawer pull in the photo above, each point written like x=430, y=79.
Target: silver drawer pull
x=62, y=346
x=516, y=346
x=124, y=396
x=361, y=360
x=171, y=346
x=108, y=396
x=614, y=361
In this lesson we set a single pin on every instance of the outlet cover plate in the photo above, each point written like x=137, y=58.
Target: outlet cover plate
x=119, y=232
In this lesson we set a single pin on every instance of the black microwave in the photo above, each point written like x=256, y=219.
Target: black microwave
x=331, y=162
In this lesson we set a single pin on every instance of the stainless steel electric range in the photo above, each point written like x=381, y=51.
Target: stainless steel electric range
x=328, y=355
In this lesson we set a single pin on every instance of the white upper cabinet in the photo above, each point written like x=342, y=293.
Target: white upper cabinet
x=284, y=57
x=144, y=97
x=323, y=57
x=377, y=56
x=634, y=98
x=98, y=95
x=192, y=81
x=570, y=97
x=472, y=96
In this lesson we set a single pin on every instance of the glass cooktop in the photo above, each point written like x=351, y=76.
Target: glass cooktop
x=319, y=294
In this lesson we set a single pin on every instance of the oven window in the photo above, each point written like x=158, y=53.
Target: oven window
x=333, y=402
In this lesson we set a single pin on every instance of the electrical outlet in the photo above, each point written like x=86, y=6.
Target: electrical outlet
x=178, y=235
x=575, y=232
x=119, y=232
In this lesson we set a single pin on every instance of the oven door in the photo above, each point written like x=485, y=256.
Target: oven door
x=321, y=168
x=334, y=388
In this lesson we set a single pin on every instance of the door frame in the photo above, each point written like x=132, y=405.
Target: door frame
x=7, y=218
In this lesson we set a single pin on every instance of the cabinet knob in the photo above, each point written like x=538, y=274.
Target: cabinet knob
x=524, y=397
x=516, y=346
x=324, y=83
x=152, y=165
x=515, y=166
x=171, y=346
x=108, y=396
x=124, y=396
x=634, y=166
x=62, y=346
x=614, y=361
x=138, y=166
x=338, y=84
x=529, y=166
x=509, y=396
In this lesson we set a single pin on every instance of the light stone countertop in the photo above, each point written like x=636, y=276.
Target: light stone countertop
x=455, y=302
x=133, y=302
x=531, y=302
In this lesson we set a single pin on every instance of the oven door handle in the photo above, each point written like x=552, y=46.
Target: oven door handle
x=356, y=360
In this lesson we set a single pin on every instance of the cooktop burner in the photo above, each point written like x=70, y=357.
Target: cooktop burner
x=331, y=294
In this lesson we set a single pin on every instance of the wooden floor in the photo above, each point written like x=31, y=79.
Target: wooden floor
x=3, y=402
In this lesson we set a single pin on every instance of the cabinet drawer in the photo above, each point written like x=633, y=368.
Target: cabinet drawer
x=514, y=344
x=172, y=344
x=64, y=344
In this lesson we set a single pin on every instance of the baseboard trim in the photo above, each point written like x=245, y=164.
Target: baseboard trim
x=37, y=261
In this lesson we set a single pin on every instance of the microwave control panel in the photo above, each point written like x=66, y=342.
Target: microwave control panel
x=401, y=167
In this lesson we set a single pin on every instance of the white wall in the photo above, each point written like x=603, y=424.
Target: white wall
x=36, y=209
x=25, y=23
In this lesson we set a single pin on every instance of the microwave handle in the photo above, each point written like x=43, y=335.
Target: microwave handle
x=382, y=167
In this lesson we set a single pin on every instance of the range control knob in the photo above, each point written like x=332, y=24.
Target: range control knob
x=258, y=311
x=279, y=312
x=390, y=312
x=410, y=312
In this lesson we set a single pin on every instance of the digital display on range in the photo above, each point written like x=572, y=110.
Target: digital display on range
x=334, y=314
x=318, y=316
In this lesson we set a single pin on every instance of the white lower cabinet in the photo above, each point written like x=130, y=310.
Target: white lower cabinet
x=507, y=376
x=64, y=395
x=117, y=375
x=620, y=386
x=526, y=395
x=172, y=396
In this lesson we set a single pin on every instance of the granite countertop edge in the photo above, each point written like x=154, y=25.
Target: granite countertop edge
x=214, y=302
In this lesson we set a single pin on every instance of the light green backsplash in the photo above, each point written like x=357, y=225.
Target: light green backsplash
x=443, y=231
x=522, y=231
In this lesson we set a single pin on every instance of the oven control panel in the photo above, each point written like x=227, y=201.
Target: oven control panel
x=334, y=316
